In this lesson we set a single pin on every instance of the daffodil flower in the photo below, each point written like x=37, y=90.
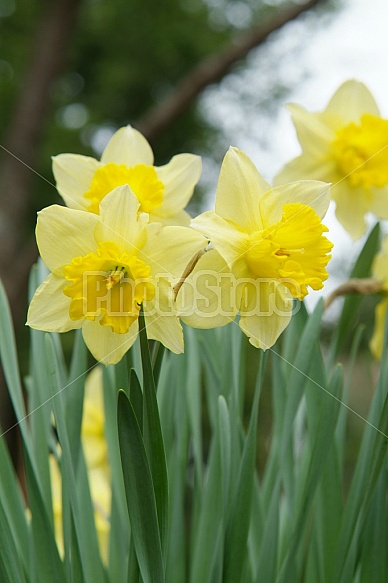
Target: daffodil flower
x=100, y=490
x=103, y=268
x=96, y=457
x=346, y=144
x=93, y=423
x=268, y=248
x=380, y=273
x=163, y=192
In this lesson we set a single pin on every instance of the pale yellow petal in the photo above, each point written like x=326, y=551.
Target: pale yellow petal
x=230, y=242
x=379, y=202
x=308, y=192
x=56, y=480
x=181, y=218
x=239, y=189
x=314, y=134
x=170, y=250
x=377, y=340
x=352, y=204
x=94, y=400
x=56, y=494
x=128, y=146
x=351, y=101
x=73, y=175
x=93, y=421
x=307, y=167
x=179, y=177
x=120, y=222
x=63, y=234
x=161, y=320
x=266, y=311
x=100, y=489
x=380, y=263
x=207, y=299
x=95, y=451
x=49, y=308
x=101, y=493
x=106, y=346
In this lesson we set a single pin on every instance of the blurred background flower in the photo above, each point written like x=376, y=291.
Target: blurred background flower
x=96, y=457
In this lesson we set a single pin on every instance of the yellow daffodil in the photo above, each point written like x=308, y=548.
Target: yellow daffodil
x=96, y=457
x=93, y=423
x=346, y=144
x=100, y=491
x=268, y=247
x=380, y=273
x=103, y=267
x=162, y=191
x=56, y=493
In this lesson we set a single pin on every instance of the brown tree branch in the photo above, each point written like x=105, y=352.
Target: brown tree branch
x=25, y=132
x=212, y=69
x=362, y=286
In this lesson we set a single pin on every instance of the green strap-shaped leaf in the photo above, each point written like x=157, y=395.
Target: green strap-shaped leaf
x=297, y=373
x=79, y=495
x=362, y=268
x=193, y=396
x=133, y=575
x=136, y=396
x=10, y=364
x=11, y=567
x=207, y=538
x=74, y=395
x=75, y=562
x=152, y=435
x=370, y=462
x=13, y=504
x=157, y=361
x=225, y=448
x=139, y=493
x=374, y=563
x=308, y=481
x=48, y=563
x=238, y=527
x=266, y=563
x=119, y=523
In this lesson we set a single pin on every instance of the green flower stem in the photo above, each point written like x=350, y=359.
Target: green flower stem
x=152, y=435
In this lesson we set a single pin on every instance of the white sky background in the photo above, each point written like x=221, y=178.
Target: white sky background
x=310, y=59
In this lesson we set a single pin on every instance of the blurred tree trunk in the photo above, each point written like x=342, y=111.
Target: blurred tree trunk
x=21, y=145
x=19, y=156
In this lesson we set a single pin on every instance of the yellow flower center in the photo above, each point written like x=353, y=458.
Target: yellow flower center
x=292, y=251
x=361, y=151
x=143, y=181
x=109, y=284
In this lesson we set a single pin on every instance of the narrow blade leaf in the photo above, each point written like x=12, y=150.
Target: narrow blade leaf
x=139, y=493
